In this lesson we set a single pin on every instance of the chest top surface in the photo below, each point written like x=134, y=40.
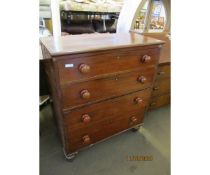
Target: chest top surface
x=72, y=44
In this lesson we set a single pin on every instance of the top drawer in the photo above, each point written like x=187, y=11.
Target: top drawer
x=83, y=67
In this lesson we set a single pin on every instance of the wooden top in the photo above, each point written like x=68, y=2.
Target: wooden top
x=71, y=44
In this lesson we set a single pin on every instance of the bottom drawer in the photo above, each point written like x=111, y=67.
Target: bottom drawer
x=159, y=101
x=104, y=129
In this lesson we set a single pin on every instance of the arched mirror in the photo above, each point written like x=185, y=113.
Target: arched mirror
x=151, y=17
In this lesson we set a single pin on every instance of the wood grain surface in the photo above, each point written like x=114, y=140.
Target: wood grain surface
x=100, y=84
x=109, y=62
x=159, y=101
x=72, y=44
x=104, y=88
x=164, y=71
x=161, y=86
x=117, y=117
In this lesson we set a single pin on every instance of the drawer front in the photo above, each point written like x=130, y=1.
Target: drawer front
x=104, y=119
x=159, y=101
x=89, y=91
x=77, y=69
x=120, y=106
x=161, y=86
x=163, y=71
x=103, y=130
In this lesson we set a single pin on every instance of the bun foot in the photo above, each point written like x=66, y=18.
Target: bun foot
x=71, y=157
x=136, y=128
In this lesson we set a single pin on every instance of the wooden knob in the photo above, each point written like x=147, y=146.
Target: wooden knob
x=85, y=94
x=133, y=119
x=86, y=139
x=142, y=79
x=145, y=59
x=138, y=100
x=86, y=118
x=84, y=68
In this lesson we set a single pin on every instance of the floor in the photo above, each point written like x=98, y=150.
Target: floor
x=113, y=156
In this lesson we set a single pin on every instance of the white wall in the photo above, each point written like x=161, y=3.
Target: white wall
x=127, y=14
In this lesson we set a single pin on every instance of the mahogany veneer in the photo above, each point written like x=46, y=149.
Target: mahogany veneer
x=100, y=84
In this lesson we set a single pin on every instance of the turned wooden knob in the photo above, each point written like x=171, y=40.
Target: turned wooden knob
x=134, y=119
x=86, y=139
x=86, y=118
x=85, y=94
x=145, y=59
x=142, y=79
x=84, y=68
x=138, y=100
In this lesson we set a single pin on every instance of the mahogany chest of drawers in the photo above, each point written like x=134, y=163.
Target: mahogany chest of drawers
x=161, y=88
x=100, y=84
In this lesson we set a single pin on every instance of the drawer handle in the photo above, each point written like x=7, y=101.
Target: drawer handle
x=86, y=139
x=86, y=118
x=138, y=100
x=153, y=104
x=85, y=94
x=161, y=73
x=141, y=79
x=156, y=88
x=145, y=59
x=84, y=68
x=133, y=119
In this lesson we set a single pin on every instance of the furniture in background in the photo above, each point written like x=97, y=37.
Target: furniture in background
x=79, y=22
x=45, y=13
x=161, y=87
x=43, y=86
x=92, y=5
x=99, y=88
x=79, y=14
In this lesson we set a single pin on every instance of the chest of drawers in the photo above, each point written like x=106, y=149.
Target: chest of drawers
x=100, y=84
x=161, y=87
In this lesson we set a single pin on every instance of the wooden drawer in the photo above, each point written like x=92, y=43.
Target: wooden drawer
x=161, y=86
x=90, y=91
x=112, y=116
x=163, y=71
x=159, y=101
x=83, y=67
